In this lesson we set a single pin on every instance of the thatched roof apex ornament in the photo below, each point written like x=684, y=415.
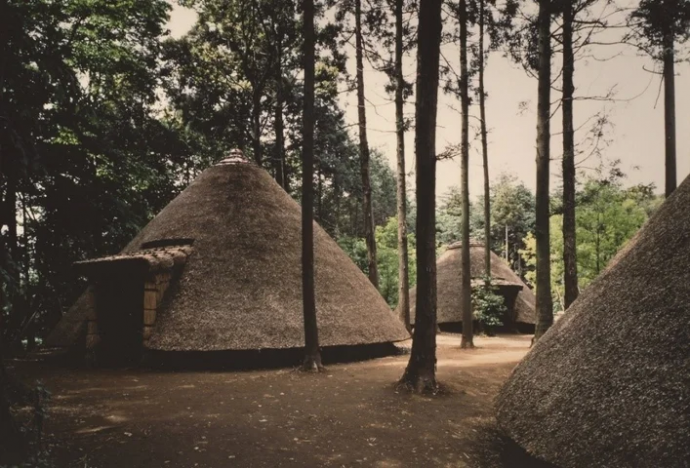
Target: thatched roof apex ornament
x=235, y=156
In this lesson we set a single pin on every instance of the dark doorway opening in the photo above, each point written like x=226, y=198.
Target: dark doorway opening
x=119, y=301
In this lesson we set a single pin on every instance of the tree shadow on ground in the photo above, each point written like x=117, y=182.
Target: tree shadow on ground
x=493, y=449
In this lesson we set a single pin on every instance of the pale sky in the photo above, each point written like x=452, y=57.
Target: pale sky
x=638, y=119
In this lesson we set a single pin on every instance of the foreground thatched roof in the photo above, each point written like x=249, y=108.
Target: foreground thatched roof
x=241, y=286
x=448, y=277
x=609, y=384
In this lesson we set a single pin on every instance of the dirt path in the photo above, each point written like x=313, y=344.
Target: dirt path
x=349, y=417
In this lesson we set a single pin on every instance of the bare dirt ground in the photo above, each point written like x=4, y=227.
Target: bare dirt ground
x=351, y=416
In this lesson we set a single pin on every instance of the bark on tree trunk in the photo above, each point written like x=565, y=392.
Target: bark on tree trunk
x=485, y=146
x=364, y=151
x=337, y=197
x=569, y=232
x=12, y=257
x=544, y=304
x=420, y=374
x=319, y=192
x=256, y=126
x=670, y=112
x=278, y=127
x=312, y=355
x=466, y=276
x=11, y=442
x=507, y=246
x=403, y=259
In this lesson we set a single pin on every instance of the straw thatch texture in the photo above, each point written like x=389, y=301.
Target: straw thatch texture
x=149, y=259
x=241, y=287
x=609, y=384
x=448, y=277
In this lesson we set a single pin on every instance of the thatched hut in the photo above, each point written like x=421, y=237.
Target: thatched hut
x=219, y=269
x=518, y=297
x=609, y=384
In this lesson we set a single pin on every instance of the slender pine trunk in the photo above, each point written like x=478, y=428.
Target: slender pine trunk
x=544, y=304
x=11, y=442
x=279, y=127
x=319, y=192
x=312, y=355
x=256, y=127
x=466, y=275
x=369, y=234
x=12, y=258
x=569, y=228
x=670, y=112
x=507, y=246
x=485, y=145
x=420, y=374
x=403, y=259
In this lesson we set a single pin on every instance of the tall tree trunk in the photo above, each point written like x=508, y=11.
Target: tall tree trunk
x=10, y=437
x=507, y=249
x=597, y=246
x=466, y=275
x=256, y=126
x=485, y=145
x=569, y=228
x=420, y=373
x=337, y=196
x=11, y=441
x=319, y=193
x=403, y=259
x=312, y=355
x=544, y=301
x=12, y=257
x=670, y=112
x=278, y=128
x=364, y=151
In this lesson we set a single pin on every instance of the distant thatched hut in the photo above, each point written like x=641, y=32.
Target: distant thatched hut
x=518, y=297
x=219, y=269
x=609, y=384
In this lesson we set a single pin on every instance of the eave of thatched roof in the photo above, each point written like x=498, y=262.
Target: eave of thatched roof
x=148, y=260
x=241, y=286
x=609, y=384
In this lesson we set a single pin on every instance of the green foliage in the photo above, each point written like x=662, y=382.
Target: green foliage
x=512, y=206
x=489, y=307
x=85, y=159
x=91, y=150
x=654, y=19
x=607, y=216
x=387, y=258
x=449, y=218
x=356, y=249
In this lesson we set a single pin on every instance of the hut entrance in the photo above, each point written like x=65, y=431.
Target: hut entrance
x=125, y=292
x=119, y=303
x=509, y=293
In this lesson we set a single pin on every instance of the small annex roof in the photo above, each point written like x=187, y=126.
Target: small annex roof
x=149, y=260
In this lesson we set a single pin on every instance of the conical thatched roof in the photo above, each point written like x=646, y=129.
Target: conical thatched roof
x=609, y=384
x=448, y=277
x=240, y=287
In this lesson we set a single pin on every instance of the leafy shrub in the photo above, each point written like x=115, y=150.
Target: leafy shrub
x=488, y=306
